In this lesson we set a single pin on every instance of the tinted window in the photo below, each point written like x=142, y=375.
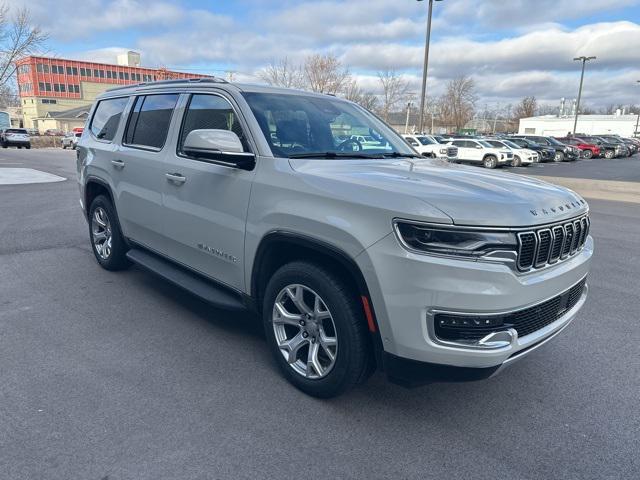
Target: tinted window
x=210, y=112
x=494, y=143
x=107, y=117
x=412, y=141
x=149, y=120
x=426, y=141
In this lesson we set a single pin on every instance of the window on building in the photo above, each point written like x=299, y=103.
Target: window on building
x=47, y=86
x=101, y=73
x=126, y=75
x=63, y=87
x=76, y=88
x=149, y=121
x=56, y=87
x=45, y=68
x=95, y=73
x=39, y=68
x=108, y=73
x=106, y=118
x=114, y=74
x=69, y=71
x=74, y=70
x=41, y=86
x=121, y=75
x=54, y=69
x=210, y=111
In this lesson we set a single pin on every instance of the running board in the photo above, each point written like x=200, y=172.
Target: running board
x=183, y=278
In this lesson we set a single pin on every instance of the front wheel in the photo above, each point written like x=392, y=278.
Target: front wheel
x=609, y=154
x=516, y=162
x=559, y=157
x=587, y=154
x=490, y=161
x=316, y=329
x=107, y=241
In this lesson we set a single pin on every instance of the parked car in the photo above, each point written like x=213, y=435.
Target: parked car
x=53, y=132
x=429, y=147
x=546, y=154
x=589, y=150
x=70, y=140
x=15, y=137
x=355, y=259
x=479, y=151
x=564, y=153
x=631, y=146
x=608, y=149
x=522, y=157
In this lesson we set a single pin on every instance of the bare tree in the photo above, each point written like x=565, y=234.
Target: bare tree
x=325, y=74
x=18, y=37
x=394, y=91
x=8, y=96
x=457, y=105
x=354, y=93
x=526, y=108
x=283, y=73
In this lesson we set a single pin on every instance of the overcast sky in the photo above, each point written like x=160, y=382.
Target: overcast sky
x=512, y=48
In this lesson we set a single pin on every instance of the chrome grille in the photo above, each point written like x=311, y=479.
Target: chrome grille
x=452, y=152
x=540, y=247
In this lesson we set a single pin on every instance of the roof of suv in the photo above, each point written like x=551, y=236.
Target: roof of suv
x=212, y=82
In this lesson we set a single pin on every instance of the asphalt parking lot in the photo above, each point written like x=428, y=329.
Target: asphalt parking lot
x=121, y=376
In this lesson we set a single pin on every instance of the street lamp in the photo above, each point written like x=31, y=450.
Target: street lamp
x=584, y=60
x=424, y=68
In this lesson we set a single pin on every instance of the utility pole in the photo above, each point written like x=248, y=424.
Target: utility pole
x=406, y=124
x=584, y=60
x=495, y=118
x=425, y=66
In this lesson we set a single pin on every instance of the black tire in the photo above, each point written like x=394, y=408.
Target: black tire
x=64, y=146
x=73, y=146
x=609, y=154
x=559, y=157
x=28, y=147
x=587, y=154
x=117, y=259
x=354, y=359
x=516, y=162
x=490, y=161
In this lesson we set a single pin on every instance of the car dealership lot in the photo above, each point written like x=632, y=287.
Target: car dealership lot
x=122, y=375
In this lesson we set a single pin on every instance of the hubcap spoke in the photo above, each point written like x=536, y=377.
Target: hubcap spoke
x=292, y=346
x=296, y=295
x=285, y=317
x=101, y=233
x=313, y=362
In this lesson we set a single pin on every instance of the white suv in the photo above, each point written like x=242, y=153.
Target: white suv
x=429, y=147
x=522, y=157
x=479, y=151
x=356, y=259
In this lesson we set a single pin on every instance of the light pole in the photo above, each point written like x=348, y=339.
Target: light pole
x=584, y=60
x=635, y=134
x=406, y=124
x=425, y=66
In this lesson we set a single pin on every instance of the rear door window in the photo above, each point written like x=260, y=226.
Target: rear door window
x=149, y=120
x=106, y=118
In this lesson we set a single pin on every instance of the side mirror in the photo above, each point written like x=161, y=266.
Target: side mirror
x=220, y=146
x=479, y=147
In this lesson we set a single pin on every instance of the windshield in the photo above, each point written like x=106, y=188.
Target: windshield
x=486, y=144
x=553, y=141
x=426, y=141
x=304, y=125
x=15, y=130
x=509, y=143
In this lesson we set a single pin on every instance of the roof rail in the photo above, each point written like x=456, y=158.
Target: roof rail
x=171, y=82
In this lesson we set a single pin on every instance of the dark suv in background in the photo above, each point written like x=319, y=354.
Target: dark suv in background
x=589, y=150
x=547, y=154
x=563, y=152
x=631, y=146
x=608, y=149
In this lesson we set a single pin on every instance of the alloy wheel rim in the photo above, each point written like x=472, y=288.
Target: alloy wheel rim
x=101, y=233
x=305, y=331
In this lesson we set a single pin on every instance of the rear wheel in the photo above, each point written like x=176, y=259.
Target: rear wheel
x=316, y=330
x=64, y=146
x=609, y=154
x=559, y=157
x=107, y=242
x=490, y=161
x=28, y=147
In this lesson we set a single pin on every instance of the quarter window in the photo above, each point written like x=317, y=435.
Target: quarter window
x=149, y=121
x=210, y=112
x=107, y=117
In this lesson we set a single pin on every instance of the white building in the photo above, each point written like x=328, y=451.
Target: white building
x=623, y=125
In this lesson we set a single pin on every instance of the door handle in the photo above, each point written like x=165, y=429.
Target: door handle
x=176, y=178
x=117, y=163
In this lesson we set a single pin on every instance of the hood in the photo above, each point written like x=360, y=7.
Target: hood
x=469, y=195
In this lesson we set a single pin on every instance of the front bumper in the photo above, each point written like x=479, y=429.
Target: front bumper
x=408, y=289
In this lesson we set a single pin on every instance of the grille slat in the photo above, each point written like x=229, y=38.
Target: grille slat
x=538, y=248
x=525, y=321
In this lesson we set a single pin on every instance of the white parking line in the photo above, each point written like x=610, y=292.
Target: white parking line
x=20, y=176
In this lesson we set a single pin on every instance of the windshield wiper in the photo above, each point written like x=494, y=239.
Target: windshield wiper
x=332, y=155
x=400, y=155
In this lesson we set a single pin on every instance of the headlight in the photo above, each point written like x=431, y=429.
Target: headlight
x=443, y=151
x=453, y=241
